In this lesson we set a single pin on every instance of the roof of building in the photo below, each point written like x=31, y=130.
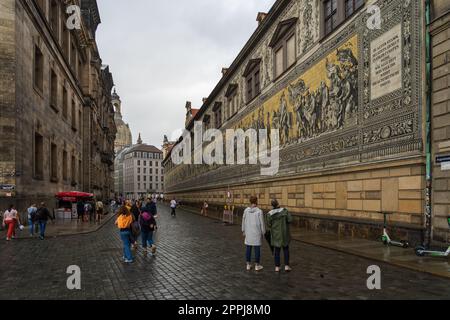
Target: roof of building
x=143, y=148
x=194, y=112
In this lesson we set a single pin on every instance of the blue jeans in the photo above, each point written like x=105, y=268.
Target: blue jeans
x=125, y=236
x=278, y=258
x=42, y=226
x=257, y=254
x=31, y=226
x=147, y=238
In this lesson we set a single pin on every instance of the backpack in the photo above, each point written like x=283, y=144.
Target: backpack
x=124, y=222
x=136, y=228
x=33, y=214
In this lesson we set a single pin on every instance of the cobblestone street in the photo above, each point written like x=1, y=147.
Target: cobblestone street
x=198, y=258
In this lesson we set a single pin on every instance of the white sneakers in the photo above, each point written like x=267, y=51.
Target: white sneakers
x=258, y=267
x=286, y=268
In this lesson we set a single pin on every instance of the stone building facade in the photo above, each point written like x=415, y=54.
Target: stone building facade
x=122, y=143
x=57, y=121
x=143, y=171
x=440, y=118
x=349, y=102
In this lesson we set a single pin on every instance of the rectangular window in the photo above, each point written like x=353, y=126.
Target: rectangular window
x=330, y=15
x=249, y=89
x=290, y=45
x=38, y=156
x=139, y=162
x=38, y=69
x=74, y=116
x=218, y=117
x=80, y=119
x=139, y=170
x=65, y=103
x=256, y=80
x=65, y=166
x=80, y=170
x=253, y=81
x=145, y=163
x=278, y=62
x=73, y=57
x=145, y=170
x=54, y=21
x=73, y=170
x=65, y=37
x=53, y=90
x=53, y=163
x=351, y=6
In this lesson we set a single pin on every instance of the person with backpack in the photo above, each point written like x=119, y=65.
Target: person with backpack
x=279, y=220
x=123, y=222
x=151, y=208
x=253, y=229
x=43, y=215
x=10, y=220
x=32, y=218
x=148, y=227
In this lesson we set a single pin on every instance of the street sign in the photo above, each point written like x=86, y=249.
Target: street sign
x=445, y=166
x=440, y=159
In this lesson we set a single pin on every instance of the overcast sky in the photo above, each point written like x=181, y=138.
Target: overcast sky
x=164, y=53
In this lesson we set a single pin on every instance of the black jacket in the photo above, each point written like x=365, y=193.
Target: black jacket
x=43, y=214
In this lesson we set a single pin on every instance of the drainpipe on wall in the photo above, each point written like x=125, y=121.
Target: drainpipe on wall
x=428, y=206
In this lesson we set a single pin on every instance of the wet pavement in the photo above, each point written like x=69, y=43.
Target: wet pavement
x=198, y=258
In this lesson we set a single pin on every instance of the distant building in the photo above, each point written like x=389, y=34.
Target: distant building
x=123, y=142
x=142, y=171
x=123, y=138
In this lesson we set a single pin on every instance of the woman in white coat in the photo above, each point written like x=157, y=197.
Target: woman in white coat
x=253, y=228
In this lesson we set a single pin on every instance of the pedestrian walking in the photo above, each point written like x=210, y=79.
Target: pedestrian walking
x=80, y=210
x=42, y=216
x=148, y=227
x=279, y=220
x=10, y=221
x=123, y=222
x=173, y=206
x=99, y=211
x=253, y=229
x=151, y=208
x=204, y=211
x=31, y=211
x=87, y=212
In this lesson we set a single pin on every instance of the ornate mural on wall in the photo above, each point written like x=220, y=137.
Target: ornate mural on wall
x=322, y=100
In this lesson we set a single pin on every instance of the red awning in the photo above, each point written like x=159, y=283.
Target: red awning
x=73, y=194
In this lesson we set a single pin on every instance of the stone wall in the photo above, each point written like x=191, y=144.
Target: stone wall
x=337, y=200
x=440, y=31
x=7, y=94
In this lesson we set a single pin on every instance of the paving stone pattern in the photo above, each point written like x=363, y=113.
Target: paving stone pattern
x=198, y=258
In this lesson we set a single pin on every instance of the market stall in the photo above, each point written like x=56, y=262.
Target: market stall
x=67, y=204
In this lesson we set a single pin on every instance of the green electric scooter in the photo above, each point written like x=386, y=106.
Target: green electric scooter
x=421, y=251
x=387, y=240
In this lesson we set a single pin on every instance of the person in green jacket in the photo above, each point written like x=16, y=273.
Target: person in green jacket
x=278, y=221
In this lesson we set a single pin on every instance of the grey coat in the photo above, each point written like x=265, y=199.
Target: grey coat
x=253, y=226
